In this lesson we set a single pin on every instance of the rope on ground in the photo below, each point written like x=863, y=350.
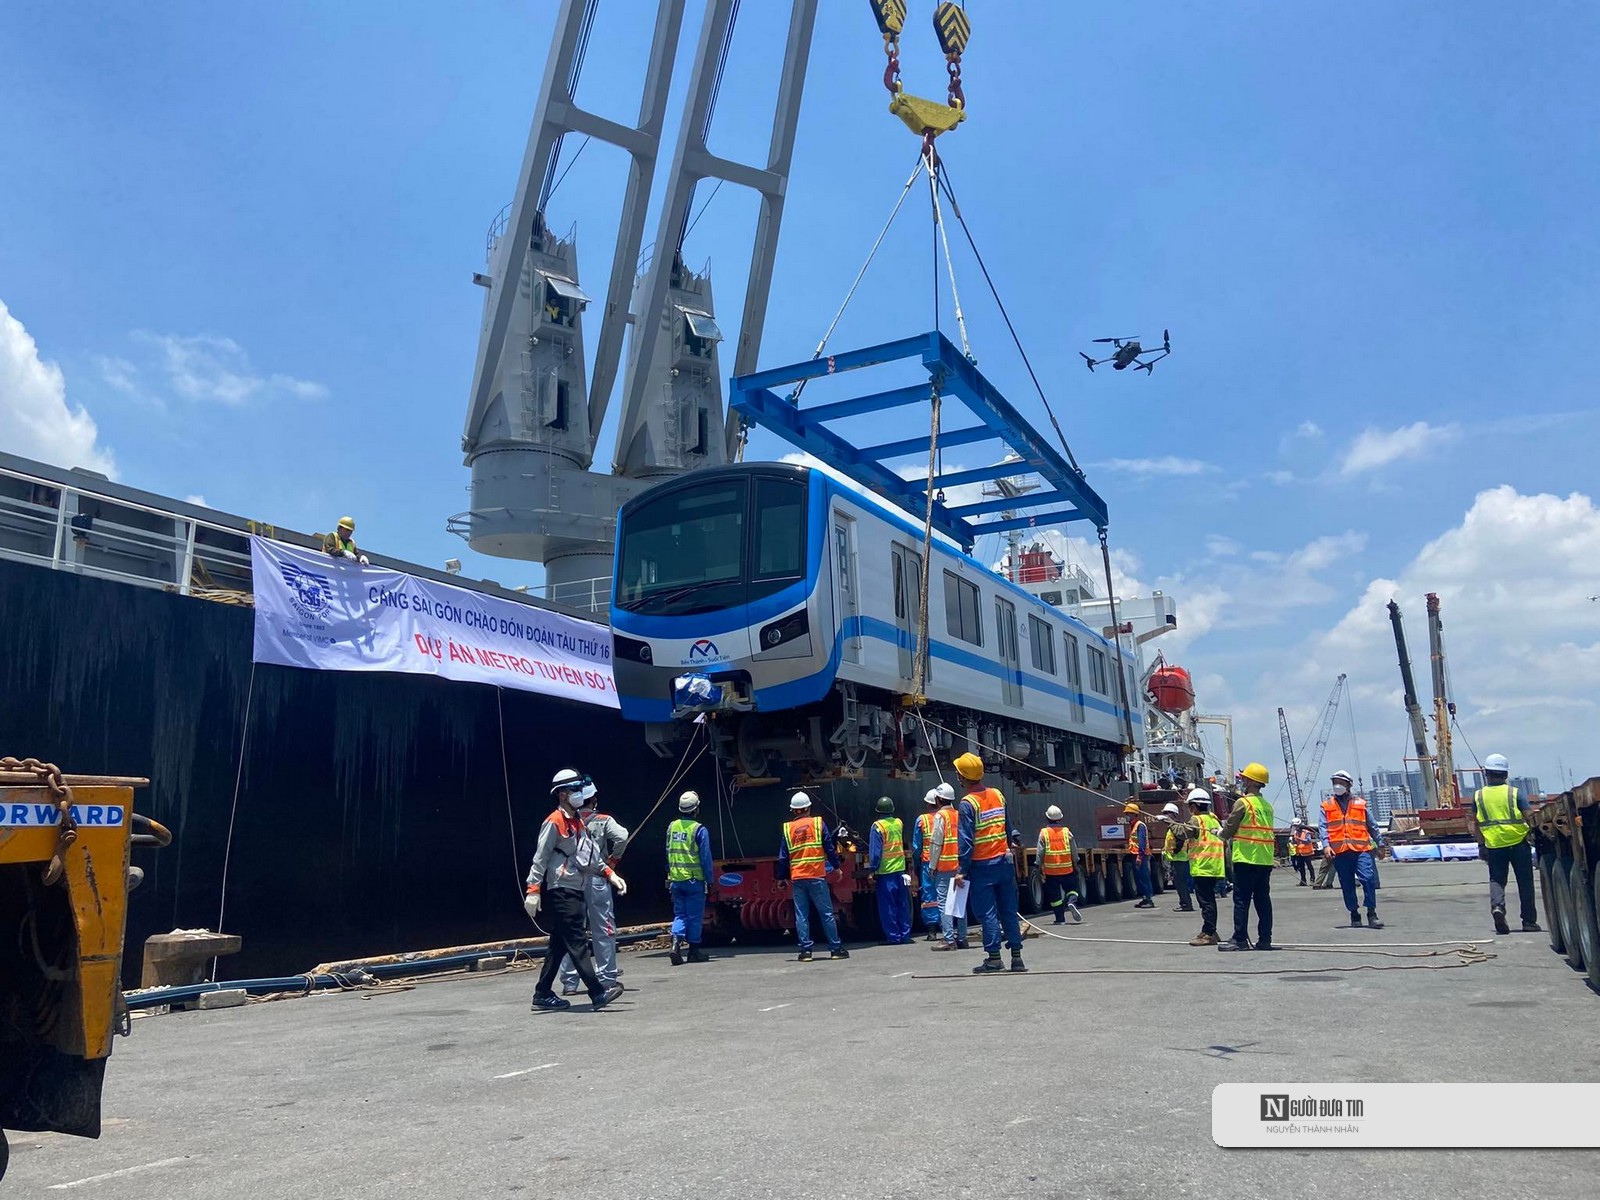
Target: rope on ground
x=1454, y=964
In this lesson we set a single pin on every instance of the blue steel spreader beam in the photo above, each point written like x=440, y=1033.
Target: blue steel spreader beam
x=1065, y=497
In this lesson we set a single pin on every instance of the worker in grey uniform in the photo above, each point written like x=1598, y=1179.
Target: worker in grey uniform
x=610, y=836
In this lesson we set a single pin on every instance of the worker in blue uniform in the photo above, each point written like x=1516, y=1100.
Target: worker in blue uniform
x=886, y=857
x=922, y=856
x=688, y=879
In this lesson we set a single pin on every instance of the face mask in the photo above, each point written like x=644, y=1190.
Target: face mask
x=1339, y=789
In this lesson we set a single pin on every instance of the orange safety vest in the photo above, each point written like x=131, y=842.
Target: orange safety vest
x=950, y=848
x=1057, y=850
x=1305, y=843
x=806, y=857
x=989, y=829
x=925, y=828
x=1133, y=837
x=1347, y=831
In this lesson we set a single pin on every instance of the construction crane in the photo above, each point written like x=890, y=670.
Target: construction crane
x=1296, y=796
x=1419, y=727
x=1324, y=731
x=1443, y=710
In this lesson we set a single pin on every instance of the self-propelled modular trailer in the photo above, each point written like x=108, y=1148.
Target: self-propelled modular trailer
x=783, y=605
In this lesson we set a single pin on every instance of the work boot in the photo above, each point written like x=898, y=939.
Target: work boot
x=963, y=944
x=1500, y=925
x=945, y=946
x=1072, y=907
x=1017, y=964
x=569, y=989
x=1204, y=939
x=677, y=953
x=1532, y=927
x=612, y=991
x=989, y=965
x=1061, y=919
x=1184, y=908
x=933, y=935
x=1233, y=945
x=838, y=952
x=1372, y=919
x=1355, y=920
x=1266, y=946
x=1145, y=904
x=1302, y=883
x=550, y=1003
x=803, y=956
x=695, y=955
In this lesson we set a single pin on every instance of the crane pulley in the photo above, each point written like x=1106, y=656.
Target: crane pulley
x=953, y=28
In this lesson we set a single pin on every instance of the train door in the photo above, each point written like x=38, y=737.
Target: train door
x=1005, y=614
x=905, y=566
x=847, y=601
x=1074, y=677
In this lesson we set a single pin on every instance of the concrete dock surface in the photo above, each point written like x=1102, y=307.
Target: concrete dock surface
x=893, y=1074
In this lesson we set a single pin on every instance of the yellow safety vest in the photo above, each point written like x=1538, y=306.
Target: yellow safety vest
x=1255, y=842
x=1499, y=817
x=1205, y=858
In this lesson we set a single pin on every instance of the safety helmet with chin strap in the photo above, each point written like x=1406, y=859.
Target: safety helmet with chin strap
x=580, y=788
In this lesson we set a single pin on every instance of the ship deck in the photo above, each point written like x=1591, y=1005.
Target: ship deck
x=755, y=1075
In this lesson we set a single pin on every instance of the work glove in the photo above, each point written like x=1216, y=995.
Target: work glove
x=530, y=905
x=618, y=882
x=906, y=879
x=363, y=560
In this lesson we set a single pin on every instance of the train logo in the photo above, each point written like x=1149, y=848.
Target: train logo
x=705, y=650
x=310, y=592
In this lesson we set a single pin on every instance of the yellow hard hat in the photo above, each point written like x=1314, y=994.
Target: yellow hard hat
x=1130, y=807
x=347, y=523
x=1256, y=772
x=969, y=766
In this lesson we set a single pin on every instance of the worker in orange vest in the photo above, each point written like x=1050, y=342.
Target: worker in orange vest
x=1139, y=847
x=946, y=866
x=806, y=857
x=989, y=865
x=922, y=855
x=1350, y=835
x=1057, y=867
x=1302, y=851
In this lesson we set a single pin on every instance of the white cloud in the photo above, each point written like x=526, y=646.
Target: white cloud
x=118, y=374
x=1221, y=547
x=1280, y=477
x=214, y=369
x=1166, y=465
x=35, y=419
x=1308, y=429
x=1376, y=448
x=197, y=499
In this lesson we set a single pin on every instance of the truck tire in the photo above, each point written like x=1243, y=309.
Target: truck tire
x=1035, y=892
x=1158, y=876
x=1552, y=915
x=1113, y=882
x=1094, y=891
x=1130, y=885
x=1564, y=917
x=1583, y=920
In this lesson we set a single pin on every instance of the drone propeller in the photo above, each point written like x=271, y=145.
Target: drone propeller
x=1087, y=360
x=1166, y=340
x=1118, y=341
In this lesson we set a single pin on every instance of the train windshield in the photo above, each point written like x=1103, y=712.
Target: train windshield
x=711, y=546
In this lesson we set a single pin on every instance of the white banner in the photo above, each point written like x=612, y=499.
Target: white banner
x=330, y=614
x=1413, y=1116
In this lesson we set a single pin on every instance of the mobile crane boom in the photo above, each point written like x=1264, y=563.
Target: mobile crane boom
x=1419, y=729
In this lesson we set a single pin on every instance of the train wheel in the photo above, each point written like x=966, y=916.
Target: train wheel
x=1564, y=917
x=855, y=758
x=1583, y=921
x=1552, y=914
x=753, y=759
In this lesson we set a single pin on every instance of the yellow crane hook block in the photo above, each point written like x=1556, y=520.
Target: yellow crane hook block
x=925, y=118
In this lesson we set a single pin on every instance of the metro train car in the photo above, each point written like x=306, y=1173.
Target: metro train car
x=780, y=604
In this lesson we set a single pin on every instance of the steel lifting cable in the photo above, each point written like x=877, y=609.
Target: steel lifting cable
x=934, y=168
x=233, y=811
x=1116, y=632
x=574, y=72
x=920, y=675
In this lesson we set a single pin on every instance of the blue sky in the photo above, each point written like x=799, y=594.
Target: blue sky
x=245, y=237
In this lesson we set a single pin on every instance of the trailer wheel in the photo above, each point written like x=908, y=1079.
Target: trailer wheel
x=1158, y=877
x=1564, y=917
x=1035, y=892
x=1113, y=882
x=1583, y=921
x=1552, y=913
x=1094, y=891
x=1130, y=882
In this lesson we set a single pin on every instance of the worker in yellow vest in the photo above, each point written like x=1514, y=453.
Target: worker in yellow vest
x=922, y=856
x=806, y=857
x=1499, y=820
x=341, y=543
x=1249, y=827
x=886, y=856
x=1057, y=867
x=1350, y=835
x=989, y=864
x=1303, y=850
x=1203, y=833
x=1175, y=850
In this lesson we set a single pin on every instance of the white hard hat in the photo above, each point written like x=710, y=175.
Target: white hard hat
x=799, y=800
x=945, y=792
x=689, y=801
x=1169, y=809
x=1199, y=796
x=1296, y=821
x=568, y=780
x=1053, y=813
x=932, y=796
x=1342, y=777
x=1496, y=762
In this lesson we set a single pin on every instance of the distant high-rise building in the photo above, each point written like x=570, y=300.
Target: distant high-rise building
x=1385, y=800
x=1409, y=783
x=1527, y=785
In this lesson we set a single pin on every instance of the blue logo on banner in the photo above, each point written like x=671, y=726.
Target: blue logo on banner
x=729, y=881
x=703, y=649
x=311, y=592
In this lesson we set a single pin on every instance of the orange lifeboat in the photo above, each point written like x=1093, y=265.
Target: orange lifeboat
x=1172, y=689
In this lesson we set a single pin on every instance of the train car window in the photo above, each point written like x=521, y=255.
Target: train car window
x=1042, y=644
x=962, y=612
x=780, y=535
x=897, y=567
x=1098, y=680
x=683, y=552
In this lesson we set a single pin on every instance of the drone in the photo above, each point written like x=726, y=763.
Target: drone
x=1127, y=354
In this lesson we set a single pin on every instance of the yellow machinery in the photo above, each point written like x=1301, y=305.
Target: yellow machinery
x=64, y=881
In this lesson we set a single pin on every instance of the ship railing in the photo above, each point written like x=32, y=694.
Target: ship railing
x=591, y=595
